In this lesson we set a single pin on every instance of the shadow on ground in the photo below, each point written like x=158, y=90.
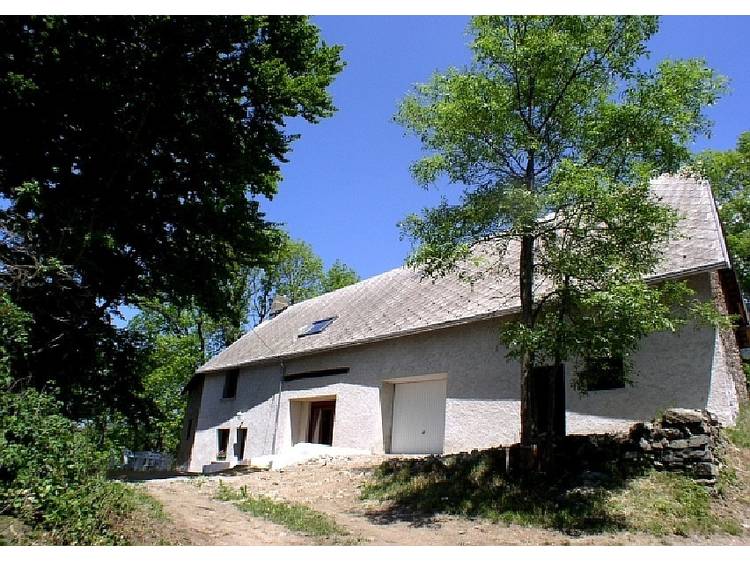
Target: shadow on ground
x=146, y=475
x=477, y=485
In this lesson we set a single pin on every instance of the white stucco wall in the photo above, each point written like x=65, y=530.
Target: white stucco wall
x=686, y=369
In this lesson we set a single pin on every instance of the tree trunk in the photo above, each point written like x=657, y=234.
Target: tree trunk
x=529, y=429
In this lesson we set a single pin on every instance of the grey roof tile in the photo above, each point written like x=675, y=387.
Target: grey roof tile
x=400, y=302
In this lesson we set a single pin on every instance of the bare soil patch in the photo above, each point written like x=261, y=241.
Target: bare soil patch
x=206, y=521
x=334, y=487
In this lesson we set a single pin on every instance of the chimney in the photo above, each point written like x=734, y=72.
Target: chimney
x=280, y=304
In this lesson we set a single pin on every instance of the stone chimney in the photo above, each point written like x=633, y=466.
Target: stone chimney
x=280, y=304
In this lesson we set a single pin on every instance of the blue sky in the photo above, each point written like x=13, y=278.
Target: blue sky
x=347, y=183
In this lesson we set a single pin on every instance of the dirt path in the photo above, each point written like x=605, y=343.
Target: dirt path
x=333, y=487
x=210, y=522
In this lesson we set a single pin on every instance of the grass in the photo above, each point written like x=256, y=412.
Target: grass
x=740, y=433
x=143, y=521
x=653, y=502
x=295, y=517
x=471, y=489
x=662, y=503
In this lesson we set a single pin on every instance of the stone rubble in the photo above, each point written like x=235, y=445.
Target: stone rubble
x=681, y=440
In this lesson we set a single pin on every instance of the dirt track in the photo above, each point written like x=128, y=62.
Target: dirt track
x=333, y=487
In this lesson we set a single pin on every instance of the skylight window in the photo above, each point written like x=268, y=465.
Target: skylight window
x=317, y=326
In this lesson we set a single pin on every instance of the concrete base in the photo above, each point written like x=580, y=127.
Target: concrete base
x=215, y=467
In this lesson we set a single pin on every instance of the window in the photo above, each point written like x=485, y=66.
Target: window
x=189, y=428
x=318, y=326
x=223, y=438
x=230, y=384
x=604, y=373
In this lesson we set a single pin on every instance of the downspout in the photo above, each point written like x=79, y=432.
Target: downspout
x=282, y=372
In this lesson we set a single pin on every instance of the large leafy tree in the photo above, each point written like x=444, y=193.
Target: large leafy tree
x=729, y=174
x=553, y=132
x=133, y=153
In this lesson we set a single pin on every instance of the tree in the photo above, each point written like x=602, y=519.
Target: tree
x=133, y=153
x=338, y=276
x=729, y=174
x=553, y=132
x=297, y=273
x=181, y=338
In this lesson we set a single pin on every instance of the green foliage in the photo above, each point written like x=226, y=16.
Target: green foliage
x=298, y=272
x=13, y=331
x=740, y=433
x=52, y=472
x=147, y=144
x=180, y=340
x=295, y=272
x=553, y=133
x=295, y=517
x=729, y=175
x=338, y=276
x=161, y=127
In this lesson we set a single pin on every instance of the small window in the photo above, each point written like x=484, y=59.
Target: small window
x=606, y=373
x=223, y=438
x=189, y=428
x=230, y=384
x=318, y=326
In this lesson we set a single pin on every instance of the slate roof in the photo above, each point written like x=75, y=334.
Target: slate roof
x=401, y=302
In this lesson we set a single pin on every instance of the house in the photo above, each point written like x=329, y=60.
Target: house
x=401, y=364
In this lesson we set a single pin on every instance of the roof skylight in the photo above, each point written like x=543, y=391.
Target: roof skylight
x=317, y=326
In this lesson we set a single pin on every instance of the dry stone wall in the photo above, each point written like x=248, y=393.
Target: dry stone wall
x=680, y=440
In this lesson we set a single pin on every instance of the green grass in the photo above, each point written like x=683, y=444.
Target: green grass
x=141, y=520
x=148, y=505
x=656, y=503
x=295, y=517
x=740, y=433
x=661, y=503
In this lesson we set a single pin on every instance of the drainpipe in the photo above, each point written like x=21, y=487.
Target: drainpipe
x=282, y=371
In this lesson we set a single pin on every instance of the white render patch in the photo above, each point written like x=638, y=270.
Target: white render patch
x=303, y=452
x=722, y=397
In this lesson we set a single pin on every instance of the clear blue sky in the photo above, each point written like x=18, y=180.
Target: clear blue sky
x=347, y=183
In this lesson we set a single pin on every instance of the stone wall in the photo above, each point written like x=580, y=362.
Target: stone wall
x=681, y=440
x=728, y=336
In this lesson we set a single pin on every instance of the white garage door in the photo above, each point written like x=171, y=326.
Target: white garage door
x=418, y=417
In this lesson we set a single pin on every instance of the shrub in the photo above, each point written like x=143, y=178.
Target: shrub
x=52, y=474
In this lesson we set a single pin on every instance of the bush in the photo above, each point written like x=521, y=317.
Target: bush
x=52, y=474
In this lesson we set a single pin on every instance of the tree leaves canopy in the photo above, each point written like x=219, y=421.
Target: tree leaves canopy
x=134, y=148
x=729, y=174
x=553, y=132
x=134, y=155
